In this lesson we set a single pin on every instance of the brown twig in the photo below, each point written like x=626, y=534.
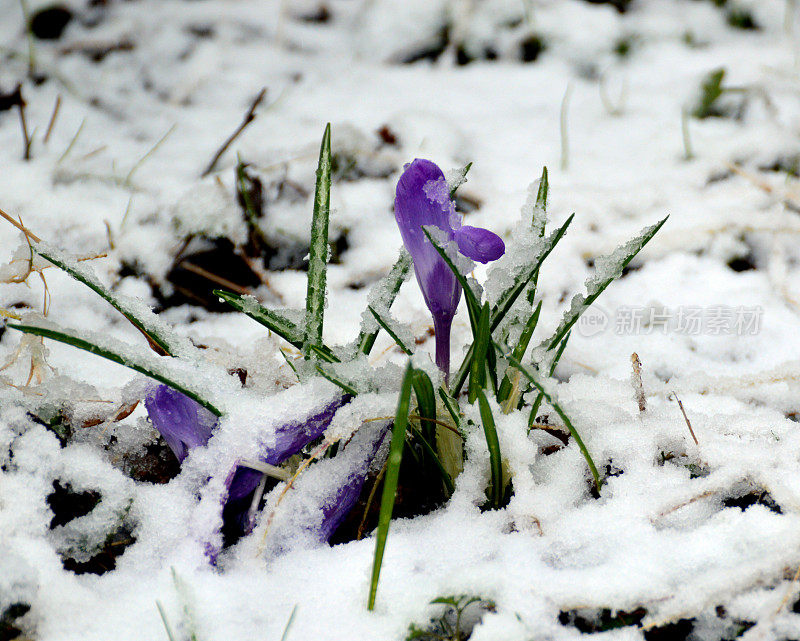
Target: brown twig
x=675, y=508
x=52, y=122
x=685, y=418
x=786, y=198
x=788, y=592
x=289, y=484
x=636, y=381
x=219, y=280
x=21, y=227
x=378, y=479
x=248, y=118
x=124, y=412
x=26, y=155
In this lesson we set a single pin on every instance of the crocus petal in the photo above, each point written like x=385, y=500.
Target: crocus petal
x=338, y=506
x=423, y=199
x=182, y=422
x=479, y=244
x=242, y=481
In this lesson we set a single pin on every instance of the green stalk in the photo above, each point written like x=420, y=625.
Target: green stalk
x=390, y=481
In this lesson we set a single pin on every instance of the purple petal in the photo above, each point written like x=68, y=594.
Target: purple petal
x=338, y=506
x=423, y=198
x=182, y=422
x=479, y=244
x=291, y=437
x=242, y=481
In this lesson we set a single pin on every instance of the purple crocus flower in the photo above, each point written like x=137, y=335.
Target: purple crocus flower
x=338, y=506
x=242, y=481
x=423, y=198
x=326, y=494
x=182, y=422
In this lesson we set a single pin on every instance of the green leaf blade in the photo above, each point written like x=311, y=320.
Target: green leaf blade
x=551, y=398
x=138, y=365
x=390, y=481
x=477, y=372
x=270, y=319
x=493, y=444
x=538, y=402
x=518, y=352
x=460, y=179
x=510, y=295
x=346, y=386
x=154, y=329
x=614, y=264
x=426, y=402
x=385, y=291
x=451, y=405
x=274, y=321
x=386, y=325
x=318, y=250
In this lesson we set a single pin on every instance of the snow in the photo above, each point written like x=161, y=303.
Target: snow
x=659, y=537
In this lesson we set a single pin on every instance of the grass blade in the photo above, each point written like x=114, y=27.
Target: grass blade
x=288, y=625
x=382, y=295
x=390, y=481
x=426, y=446
x=139, y=366
x=509, y=296
x=142, y=317
x=551, y=398
x=507, y=386
x=337, y=381
x=477, y=371
x=451, y=405
x=541, y=199
x=183, y=594
x=244, y=186
x=164, y=620
x=385, y=324
x=270, y=319
x=493, y=443
x=538, y=223
x=612, y=267
x=537, y=403
x=426, y=402
x=324, y=353
x=459, y=180
x=318, y=250
x=274, y=321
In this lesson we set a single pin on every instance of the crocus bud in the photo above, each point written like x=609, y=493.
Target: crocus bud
x=423, y=198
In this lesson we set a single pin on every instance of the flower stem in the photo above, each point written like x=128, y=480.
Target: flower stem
x=441, y=327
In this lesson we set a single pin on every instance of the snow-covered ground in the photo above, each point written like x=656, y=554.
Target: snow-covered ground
x=694, y=541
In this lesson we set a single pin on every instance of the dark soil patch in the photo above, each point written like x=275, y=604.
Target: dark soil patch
x=67, y=504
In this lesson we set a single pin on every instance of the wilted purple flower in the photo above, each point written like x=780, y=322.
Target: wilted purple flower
x=423, y=198
x=290, y=438
x=338, y=506
x=182, y=422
